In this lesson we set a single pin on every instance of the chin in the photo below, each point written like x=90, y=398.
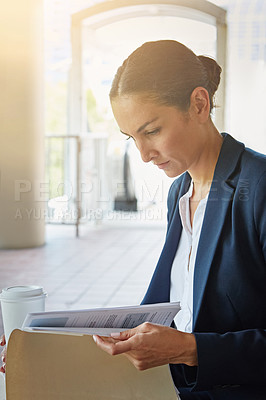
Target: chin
x=172, y=174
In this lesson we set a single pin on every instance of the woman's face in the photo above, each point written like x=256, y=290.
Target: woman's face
x=164, y=135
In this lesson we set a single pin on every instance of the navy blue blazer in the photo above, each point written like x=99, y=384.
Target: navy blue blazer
x=229, y=303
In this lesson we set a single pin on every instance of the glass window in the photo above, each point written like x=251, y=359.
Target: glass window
x=255, y=52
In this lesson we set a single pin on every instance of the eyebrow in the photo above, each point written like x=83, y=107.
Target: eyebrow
x=142, y=127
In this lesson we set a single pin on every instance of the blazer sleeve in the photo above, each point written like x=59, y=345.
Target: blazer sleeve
x=236, y=358
x=260, y=212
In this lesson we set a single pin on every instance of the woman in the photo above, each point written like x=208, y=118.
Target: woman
x=213, y=259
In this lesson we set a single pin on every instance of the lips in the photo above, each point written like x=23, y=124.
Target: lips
x=162, y=165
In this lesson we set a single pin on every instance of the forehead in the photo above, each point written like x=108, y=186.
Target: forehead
x=132, y=104
x=132, y=112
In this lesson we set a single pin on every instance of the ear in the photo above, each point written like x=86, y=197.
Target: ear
x=200, y=104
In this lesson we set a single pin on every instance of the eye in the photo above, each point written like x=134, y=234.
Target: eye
x=153, y=132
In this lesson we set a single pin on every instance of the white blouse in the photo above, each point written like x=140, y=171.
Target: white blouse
x=182, y=273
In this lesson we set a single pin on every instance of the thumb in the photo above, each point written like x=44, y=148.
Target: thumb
x=124, y=335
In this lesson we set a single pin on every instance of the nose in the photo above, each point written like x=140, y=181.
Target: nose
x=146, y=151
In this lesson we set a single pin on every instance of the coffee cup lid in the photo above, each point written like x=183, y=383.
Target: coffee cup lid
x=21, y=292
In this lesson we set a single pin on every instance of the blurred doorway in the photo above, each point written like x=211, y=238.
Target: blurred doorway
x=102, y=37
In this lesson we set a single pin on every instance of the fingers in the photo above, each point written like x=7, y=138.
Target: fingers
x=112, y=347
x=123, y=342
x=125, y=334
x=2, y=340
x=3, y=354
x=3, y=358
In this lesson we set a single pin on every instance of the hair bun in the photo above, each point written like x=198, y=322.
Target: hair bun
x=213, y=71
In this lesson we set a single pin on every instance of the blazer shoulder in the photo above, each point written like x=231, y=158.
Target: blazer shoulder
x=238, y=161
x=253, y=165
x=255, y=158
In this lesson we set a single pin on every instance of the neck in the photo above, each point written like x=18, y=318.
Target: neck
x=202, y=170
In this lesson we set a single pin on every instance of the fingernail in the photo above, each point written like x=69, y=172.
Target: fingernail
x=94, y=338
x=115, y=335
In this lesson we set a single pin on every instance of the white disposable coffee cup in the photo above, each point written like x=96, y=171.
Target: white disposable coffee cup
x=17, y=302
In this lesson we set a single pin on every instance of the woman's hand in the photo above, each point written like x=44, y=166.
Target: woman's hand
x=3, y=354
x=149, y=345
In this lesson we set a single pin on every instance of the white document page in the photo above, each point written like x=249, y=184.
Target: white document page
x=103, y=320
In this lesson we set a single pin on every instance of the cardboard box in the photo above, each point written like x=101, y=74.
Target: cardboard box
x=50, y=366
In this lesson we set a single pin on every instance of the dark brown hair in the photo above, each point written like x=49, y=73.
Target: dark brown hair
x=168, y=72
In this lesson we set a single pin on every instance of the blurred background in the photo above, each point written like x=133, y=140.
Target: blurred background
x=106, y=40
x=66, y=170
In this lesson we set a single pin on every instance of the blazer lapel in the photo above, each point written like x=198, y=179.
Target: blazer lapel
x=159, y=288
x=220, y=198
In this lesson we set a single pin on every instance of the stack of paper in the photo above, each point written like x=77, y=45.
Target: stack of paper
x=102, y=321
